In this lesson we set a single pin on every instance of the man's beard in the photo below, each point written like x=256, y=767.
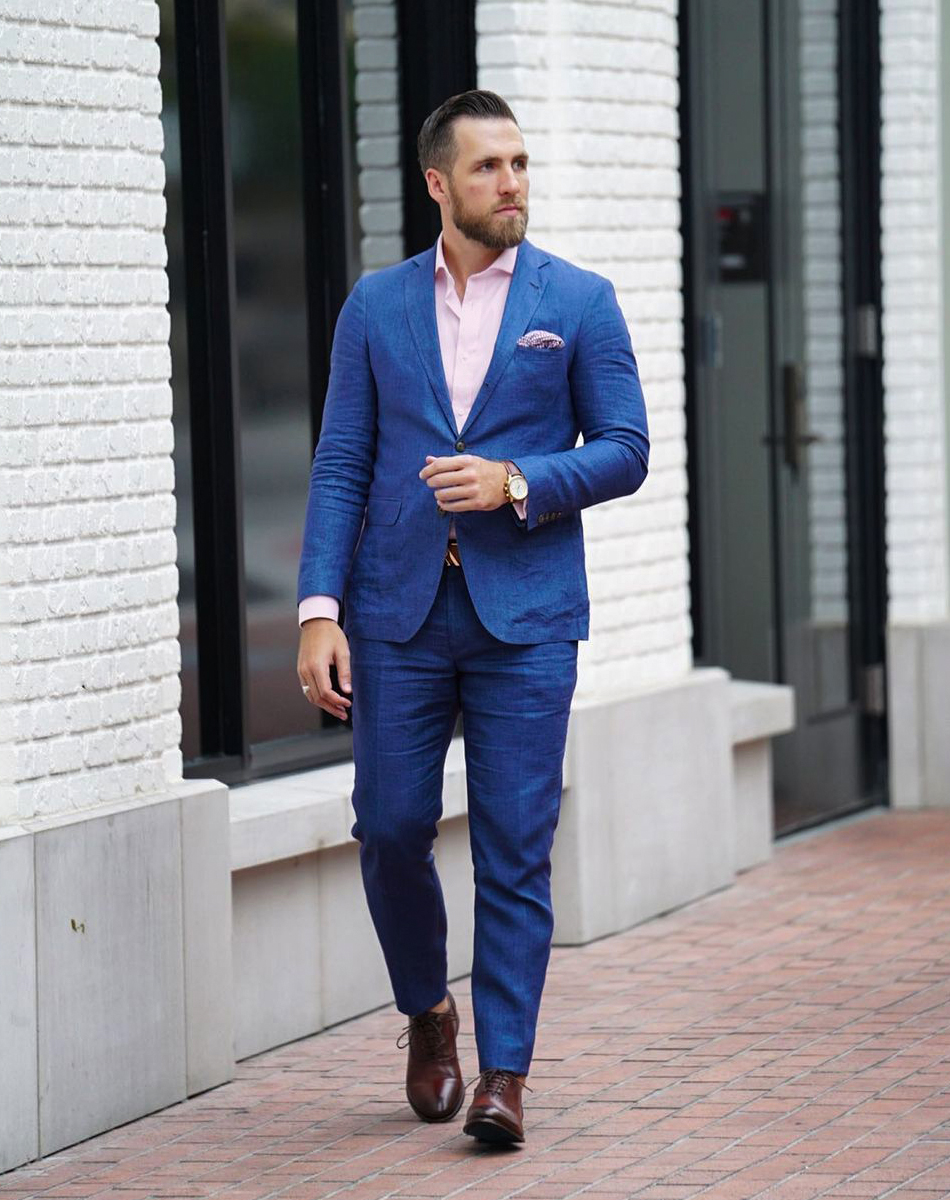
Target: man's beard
x=490, y=231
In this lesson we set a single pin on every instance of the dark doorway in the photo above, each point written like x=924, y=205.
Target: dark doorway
x=784, y=394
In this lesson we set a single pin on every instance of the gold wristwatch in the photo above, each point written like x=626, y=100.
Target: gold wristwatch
x=516, y=486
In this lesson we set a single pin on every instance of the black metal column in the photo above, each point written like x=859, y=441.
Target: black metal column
x=326, y=183
x=436, y=60
x=860, y=130
x=212, y=381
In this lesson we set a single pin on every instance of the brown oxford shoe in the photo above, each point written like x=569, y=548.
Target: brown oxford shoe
x=434, y=1084
x=495, y=1112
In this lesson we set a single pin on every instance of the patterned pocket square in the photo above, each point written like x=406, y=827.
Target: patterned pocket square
x=541, y=339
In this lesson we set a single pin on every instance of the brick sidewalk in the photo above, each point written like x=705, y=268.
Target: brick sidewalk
x=786, y=1038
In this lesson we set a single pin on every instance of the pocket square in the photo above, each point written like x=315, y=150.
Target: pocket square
x=541, y=339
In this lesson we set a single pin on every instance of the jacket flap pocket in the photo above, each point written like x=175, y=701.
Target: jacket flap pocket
x=382, y=510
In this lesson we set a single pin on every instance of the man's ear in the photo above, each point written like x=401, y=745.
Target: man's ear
x=436, y=186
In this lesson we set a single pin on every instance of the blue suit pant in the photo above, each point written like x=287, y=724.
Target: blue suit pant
x=515, y=701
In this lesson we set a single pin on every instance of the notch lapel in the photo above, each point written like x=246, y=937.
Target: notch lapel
x=524, y=296
x=420, y=312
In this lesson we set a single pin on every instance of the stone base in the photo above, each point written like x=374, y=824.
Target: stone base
x=157, y=919
x=667, y=793
x=124, y=1007
x=759, y=712
x=918, y=703
x=646, y=821
x=305, y=950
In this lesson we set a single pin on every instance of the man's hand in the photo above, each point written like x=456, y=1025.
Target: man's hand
x=322, y=645
x=464, y=482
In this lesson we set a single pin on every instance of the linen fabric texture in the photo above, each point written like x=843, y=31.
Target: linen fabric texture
x=373, y=533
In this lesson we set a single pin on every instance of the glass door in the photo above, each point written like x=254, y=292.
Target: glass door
x=778, y=527
x=819, y=769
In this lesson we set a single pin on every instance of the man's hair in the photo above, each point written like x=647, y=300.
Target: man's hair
x=436, y=143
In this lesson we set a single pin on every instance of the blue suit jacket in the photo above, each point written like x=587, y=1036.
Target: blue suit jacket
x=373, y=532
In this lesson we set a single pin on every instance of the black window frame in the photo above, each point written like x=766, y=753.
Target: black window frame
x=442, y=35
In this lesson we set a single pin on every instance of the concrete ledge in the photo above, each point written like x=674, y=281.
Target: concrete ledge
x=19, y=1084
x=310, y=811
x=647, y=823
x=299, y=912
x=918, y=700
x=305, y=950
x=667, y=792
x=758, y=712
x=128, y=906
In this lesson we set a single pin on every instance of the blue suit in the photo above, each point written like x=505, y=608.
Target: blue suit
x=388, y=406
x=495, y=640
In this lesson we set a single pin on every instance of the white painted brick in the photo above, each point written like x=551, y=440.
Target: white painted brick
x=378, y=152
x=380, y=185
x=596, y=94
x=912, y=253
x=374, y=21
x=374, y=54
x=88, y=616
x=376, y=86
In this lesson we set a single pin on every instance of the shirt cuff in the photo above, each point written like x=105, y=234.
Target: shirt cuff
x=318, y=606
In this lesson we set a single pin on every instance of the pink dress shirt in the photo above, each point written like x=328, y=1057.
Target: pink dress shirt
x=468, y=329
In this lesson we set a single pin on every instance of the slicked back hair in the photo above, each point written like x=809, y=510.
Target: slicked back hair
x=436, y=142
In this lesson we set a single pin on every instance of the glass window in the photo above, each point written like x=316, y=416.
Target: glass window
x=346, y=150
x=270, y=335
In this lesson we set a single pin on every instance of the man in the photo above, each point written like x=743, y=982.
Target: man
x=445, y=502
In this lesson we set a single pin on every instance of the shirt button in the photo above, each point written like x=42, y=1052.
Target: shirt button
x=460, y=445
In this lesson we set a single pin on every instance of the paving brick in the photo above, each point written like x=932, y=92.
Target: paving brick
x=717, y=1052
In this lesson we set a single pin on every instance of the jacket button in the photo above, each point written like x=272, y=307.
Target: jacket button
x=460, y=445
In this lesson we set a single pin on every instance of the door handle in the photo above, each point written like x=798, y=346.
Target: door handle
x=794, y=435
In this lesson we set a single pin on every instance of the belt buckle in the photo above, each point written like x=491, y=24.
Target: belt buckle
x=452, y=557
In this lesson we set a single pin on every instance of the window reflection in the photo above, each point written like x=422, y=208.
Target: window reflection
x=371, y=54
x=271, y=345
x=266, y=150
x=269, y=320
x=825, y=624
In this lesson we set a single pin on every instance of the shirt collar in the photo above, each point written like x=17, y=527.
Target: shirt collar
x=504, y=262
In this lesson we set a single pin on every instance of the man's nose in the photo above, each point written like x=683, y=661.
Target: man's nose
x=509, y=182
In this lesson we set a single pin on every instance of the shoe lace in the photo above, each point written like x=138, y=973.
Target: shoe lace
x=424, y=1034
x=494, y=1081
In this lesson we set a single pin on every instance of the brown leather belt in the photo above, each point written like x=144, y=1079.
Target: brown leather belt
x=452, y=557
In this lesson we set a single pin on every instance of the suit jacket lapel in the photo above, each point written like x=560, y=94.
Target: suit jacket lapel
x=420, y=311
x=524, y=295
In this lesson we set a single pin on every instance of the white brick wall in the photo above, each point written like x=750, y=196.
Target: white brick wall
x=912, y=249
x=89, y=656
x=377, y=133
x=595, y=88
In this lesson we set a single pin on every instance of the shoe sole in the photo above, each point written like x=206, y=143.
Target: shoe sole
x=487, y=1130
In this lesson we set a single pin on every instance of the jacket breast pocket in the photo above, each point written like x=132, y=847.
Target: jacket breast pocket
x=540, y=371
x=383, y=510
x=541, y=354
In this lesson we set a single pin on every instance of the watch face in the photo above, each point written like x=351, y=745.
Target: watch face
x=518, y=487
